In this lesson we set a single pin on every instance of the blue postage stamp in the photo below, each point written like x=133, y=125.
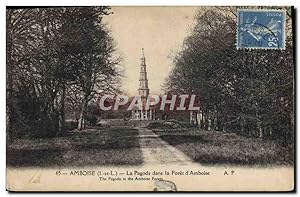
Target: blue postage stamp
x=261, y=29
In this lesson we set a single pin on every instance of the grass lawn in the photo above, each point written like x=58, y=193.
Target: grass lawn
x=91, y=147
x=214, y=148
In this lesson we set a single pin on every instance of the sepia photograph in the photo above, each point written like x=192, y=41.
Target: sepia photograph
x=141, y=98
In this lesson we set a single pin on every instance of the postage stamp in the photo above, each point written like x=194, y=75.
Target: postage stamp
x=261, y=29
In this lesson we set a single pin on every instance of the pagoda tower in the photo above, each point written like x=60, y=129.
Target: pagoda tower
x=144, y=114
x=143, y=88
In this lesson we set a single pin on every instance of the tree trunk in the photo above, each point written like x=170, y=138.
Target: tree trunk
x=209, y=120
x=203, y=120
x=62, y=110
x=81, y=122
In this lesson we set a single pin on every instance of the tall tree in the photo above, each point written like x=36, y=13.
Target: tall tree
x=54, y=54
x=246, y=91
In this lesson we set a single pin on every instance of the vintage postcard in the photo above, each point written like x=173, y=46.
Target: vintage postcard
x=151, y=99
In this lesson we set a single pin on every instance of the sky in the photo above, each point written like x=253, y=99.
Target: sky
x=159, y=30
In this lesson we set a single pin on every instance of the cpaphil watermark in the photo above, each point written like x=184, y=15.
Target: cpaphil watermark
x=163, y=102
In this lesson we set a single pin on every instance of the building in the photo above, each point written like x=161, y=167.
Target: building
x=143, y=114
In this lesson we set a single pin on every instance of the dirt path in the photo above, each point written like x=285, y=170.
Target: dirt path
x=157, y=151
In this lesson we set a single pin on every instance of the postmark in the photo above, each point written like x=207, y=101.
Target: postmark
x=261, y=29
